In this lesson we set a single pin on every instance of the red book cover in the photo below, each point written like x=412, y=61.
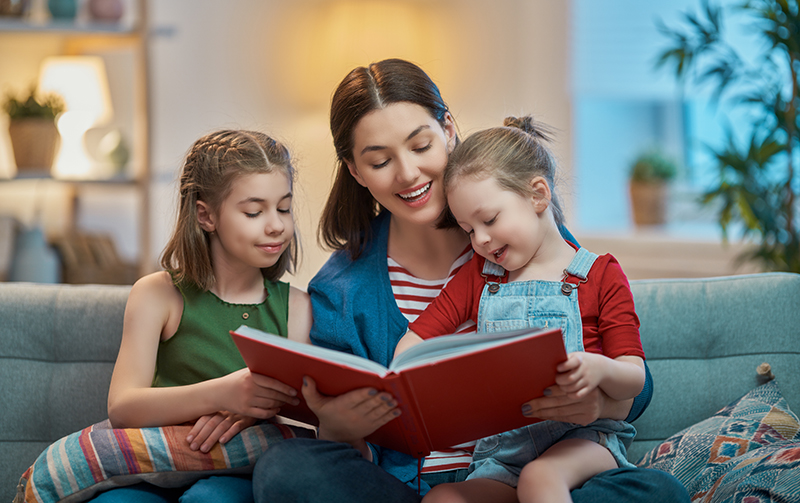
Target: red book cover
x=450, y=389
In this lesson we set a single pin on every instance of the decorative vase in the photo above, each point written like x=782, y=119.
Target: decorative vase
x=33, y=141
x=108, y=11
x=649, y=202
x=63, y=9
x=34, y=260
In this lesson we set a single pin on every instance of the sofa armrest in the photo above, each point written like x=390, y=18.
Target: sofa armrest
x=58, y=344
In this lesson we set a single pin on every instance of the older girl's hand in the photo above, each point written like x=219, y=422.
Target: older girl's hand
x=255, y=395
x=352, y=416
x=219, y=427
x=559, y=406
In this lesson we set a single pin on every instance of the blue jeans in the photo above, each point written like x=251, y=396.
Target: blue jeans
x=219, y=489
x=306, y=470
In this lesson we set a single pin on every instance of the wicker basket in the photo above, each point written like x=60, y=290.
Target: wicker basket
x=34, y=143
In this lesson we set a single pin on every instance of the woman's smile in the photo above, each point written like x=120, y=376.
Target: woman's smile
x=417, y=194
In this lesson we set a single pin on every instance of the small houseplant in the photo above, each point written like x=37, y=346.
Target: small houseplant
x=758, y=184
x=650, y=175
x=32, y=128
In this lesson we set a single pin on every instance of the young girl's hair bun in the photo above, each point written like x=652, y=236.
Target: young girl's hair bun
x=538, y=130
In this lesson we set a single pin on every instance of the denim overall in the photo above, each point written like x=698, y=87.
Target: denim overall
x=549, y=304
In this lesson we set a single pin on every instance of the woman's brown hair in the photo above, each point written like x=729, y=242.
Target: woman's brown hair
x=350, y=208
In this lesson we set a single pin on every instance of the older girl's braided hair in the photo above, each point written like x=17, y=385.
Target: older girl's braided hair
x=209, y=169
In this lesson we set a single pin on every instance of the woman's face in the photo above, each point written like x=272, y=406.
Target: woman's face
x=399, y=154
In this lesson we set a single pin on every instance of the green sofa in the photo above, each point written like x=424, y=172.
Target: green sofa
x=704, y=339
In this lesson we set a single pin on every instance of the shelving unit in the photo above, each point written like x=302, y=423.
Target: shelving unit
x=24, y=44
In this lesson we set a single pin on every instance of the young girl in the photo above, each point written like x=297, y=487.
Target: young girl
x=233, y=240
x=499, y=187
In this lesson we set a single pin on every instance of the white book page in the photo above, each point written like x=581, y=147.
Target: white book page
x=448, y=346
x=346, y=359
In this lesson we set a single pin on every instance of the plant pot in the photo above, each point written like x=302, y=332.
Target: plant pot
x=649, y=202
x=34, y=143
x=13, y=8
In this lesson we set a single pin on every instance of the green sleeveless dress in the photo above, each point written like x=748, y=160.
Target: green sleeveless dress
x=202, y=347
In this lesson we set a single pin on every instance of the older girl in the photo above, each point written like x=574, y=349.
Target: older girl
x=233, y=240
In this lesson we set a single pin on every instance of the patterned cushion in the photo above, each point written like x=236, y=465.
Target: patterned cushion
x=763, y=475
x=78, y=466
x=713, y=453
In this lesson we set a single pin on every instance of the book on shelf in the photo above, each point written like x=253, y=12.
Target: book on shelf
x=450, y=389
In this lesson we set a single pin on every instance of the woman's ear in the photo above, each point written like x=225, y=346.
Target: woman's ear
x=450, y=132
x=205, y=217
x=542, y=195
x=354, y=171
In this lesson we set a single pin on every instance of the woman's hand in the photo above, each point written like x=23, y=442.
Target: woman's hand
x=219, y=427
x=352, y=416
x=254, y=395
x=557, y=405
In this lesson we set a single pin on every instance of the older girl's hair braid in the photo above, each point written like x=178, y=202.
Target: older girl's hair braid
x=209, y=169
x=513, y=155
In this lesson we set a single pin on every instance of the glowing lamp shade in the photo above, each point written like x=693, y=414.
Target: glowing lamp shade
x=82, y=82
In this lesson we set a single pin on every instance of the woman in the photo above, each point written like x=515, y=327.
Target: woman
x=392, y=133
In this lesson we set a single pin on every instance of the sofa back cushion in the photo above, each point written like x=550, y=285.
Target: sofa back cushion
x=704, y=339
x=58, y=344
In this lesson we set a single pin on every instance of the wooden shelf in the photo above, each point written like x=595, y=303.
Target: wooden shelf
x=76, y=37
x=61, y=27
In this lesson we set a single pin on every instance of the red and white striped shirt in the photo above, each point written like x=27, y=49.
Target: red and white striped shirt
x=413, y=295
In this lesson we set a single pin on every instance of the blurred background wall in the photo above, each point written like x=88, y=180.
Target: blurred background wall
x=586, y=67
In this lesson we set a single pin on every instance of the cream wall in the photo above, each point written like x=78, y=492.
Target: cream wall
x=273, y=64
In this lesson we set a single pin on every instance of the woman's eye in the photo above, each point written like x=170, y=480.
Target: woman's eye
x=381, y=165
x=423, y=149
x=252, y=215
x=284, y=210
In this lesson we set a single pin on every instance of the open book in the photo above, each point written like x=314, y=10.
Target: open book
x=450, y=389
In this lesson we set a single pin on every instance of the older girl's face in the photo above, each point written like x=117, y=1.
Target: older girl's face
x=399, y=154
x=254, y=224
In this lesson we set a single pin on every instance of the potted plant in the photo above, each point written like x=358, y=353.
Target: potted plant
x=650, y=175
x=32, y=128
x=757, y=185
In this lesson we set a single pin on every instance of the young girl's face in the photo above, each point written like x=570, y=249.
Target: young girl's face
x=254, y=224
x=399, y=154
x=504, y=227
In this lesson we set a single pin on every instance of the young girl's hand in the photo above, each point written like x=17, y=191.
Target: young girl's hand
x=581, y=373
x=219, y=427
x=350, y=417
x=255, y=395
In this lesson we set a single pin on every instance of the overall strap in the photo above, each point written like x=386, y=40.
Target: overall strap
x=492, y=269
x=581, y=263
x=579, y=267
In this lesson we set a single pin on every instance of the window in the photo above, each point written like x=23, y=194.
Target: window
x=623, y=106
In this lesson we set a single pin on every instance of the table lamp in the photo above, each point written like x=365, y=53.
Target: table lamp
x=82, y=82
